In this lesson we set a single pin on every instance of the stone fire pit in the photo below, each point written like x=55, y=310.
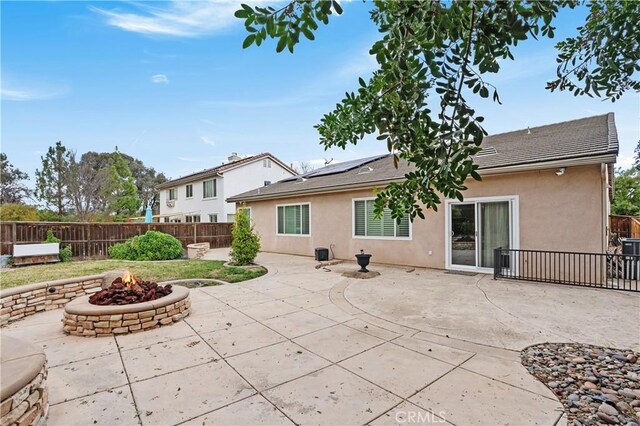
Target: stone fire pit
x=82, y=317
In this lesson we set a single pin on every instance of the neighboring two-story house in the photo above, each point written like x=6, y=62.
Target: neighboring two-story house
x=200, y=197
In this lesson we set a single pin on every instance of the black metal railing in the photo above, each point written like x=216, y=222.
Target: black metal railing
x=599, y=270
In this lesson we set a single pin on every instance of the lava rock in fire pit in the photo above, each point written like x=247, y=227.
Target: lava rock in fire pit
x=127, y=290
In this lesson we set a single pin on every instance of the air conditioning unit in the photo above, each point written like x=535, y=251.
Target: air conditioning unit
x=171, y=203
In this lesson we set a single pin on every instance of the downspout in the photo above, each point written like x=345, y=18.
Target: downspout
x=604, y=170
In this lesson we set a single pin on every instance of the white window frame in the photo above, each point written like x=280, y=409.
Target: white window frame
x=215, y=189
x=514, y=207
x=175, y=191
x=191, y=216
x=216, y=217
x=293, y=235
x=373, y=237
x=186, y=191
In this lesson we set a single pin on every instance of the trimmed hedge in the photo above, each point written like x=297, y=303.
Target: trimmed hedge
x=153, y=245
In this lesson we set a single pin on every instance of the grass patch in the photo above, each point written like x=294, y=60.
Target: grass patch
x=149, y=271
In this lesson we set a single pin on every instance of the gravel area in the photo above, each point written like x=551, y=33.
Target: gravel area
x=596, y=385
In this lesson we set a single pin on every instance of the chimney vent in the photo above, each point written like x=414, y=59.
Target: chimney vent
x=233, y=157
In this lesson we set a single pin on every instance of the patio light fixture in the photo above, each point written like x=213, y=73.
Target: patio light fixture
x=560, y=171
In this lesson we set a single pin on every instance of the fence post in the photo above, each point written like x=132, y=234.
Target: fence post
x=496, y=262
x=195, y=232
x=14, y=236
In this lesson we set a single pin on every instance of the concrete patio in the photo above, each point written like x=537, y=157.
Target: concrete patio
x=308, y=346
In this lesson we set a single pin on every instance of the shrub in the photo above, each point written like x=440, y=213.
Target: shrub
x=152, y=245
x=65, y=252
x=246, y=243
x=12, y=211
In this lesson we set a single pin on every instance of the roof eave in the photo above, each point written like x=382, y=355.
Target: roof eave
x=606, y=158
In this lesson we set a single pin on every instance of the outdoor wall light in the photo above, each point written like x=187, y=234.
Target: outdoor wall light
x=560, y=171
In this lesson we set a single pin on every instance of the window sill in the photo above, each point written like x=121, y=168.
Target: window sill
x=293, y=235
x=209, y=198
x=361, y=237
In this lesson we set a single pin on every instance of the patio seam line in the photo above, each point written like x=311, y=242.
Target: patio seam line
x=477, y=285
x=92, y=394
x=511, y=385
x=385, y=341
x=220, y=408
x=242, y=377
x=337, y=363
x=152, y=344
x=126, y=373
x=460, y=365
x=331, y=363
x=82, y=359
x=403, y=399
x=431, y=356
x=427, y=332
x=560, y=417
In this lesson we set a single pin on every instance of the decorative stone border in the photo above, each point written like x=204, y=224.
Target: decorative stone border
x=81, y=318
x=22, y=301
x=25, y=400
x=229, y=264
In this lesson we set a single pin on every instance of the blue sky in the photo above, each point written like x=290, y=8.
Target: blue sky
x=169, y=83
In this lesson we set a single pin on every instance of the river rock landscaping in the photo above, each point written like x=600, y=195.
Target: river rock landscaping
x=597, y=385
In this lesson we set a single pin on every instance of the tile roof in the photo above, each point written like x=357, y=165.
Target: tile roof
x=219, y=170
x=575, y=139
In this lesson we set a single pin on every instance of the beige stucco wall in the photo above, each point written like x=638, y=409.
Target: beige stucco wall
x=565, y=213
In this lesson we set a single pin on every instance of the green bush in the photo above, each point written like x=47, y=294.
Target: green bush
x=246, y=243
x=65, y=252
x=152, y=245
x=12, y=211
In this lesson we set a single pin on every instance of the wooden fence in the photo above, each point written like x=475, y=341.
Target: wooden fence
x=89, y=240
x=625, y=226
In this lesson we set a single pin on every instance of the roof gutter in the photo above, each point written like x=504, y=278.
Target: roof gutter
x=566, y=162
x=179, y=181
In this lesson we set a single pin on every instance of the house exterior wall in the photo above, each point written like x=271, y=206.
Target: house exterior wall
x=248, y=177
x=564, y=213
x=233, y=182
x=196, y=204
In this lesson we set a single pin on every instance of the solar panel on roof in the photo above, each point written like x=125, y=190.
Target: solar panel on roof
x=338, y=167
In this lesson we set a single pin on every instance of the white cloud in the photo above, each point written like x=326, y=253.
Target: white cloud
x=160, y=79
x=177, y=19
x=208, y=141
x=21, y=95
x=625, y=160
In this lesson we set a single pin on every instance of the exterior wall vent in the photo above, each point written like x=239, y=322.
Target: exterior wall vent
x=484, y=152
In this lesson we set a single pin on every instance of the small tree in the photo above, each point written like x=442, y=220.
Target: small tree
x=12, y=188
x=626, y=200
x=246, y=243
x=122, y=192
x=51, y=180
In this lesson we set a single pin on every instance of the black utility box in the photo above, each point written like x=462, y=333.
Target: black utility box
x=631, y=262
x=322, y=254
x=631, y=246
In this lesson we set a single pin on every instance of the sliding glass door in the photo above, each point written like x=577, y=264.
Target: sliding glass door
x=494, y=230
x=476, y=228
x=463, y=234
